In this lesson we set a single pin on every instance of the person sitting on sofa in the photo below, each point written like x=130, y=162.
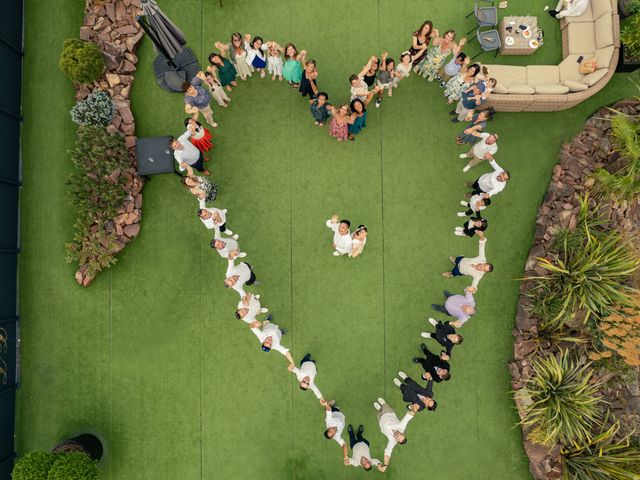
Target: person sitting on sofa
x=569, y=8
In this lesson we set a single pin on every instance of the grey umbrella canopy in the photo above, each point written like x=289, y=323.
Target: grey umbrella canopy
x=169, y=36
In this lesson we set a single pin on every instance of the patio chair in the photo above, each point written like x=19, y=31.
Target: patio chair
x=485, y=16
x=489, y=40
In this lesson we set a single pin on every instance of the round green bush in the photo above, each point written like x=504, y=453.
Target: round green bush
x=33, y=466
x=82, y=62
x=73, y=466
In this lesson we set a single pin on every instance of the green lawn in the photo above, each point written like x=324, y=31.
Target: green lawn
x=150, y=355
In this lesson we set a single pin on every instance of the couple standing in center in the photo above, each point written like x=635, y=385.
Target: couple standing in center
x=345, y=242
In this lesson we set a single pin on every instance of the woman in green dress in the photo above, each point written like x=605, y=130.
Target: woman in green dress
x=226, y=71
x=437, y=55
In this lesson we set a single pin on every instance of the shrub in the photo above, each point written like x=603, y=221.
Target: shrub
x=630, y=37
x=621, y=334
x=96, y=109
x=589, y=274
x=33, y=466
x=600, y=459
x=562, y=405
x=625, y=183
x=82, y=62
x=97, y=189
x=73, y=466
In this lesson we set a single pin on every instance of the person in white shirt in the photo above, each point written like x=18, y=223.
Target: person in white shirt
x=335, y=422
x=238, y=275
x=342, y=242
x=490, y=183
x=484, y=149
x=249, y=308
x=475, y=205
x=392, y=428
x=215, y=218
x=569, y=8
x=358, y=241
x=186, y=152
x=270, y=336
x=225, y=246
x=306, y=374
x=475, y=267
x=360, y=454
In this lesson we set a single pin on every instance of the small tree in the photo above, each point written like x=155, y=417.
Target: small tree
x=73, y=466
x=82, y=62
x=96, y=109
x=33, y=466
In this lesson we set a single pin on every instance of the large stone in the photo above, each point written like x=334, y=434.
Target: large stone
x=113, y=79
x=523, y=349
x=132, y=230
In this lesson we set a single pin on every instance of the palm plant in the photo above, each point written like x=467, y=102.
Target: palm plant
x=561, y=402
x=588, y=274
x=600, y=459
x=625, y=183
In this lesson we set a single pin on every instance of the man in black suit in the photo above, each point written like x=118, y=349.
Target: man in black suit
x=436, y=367
x=418, y=397
x=445, y=335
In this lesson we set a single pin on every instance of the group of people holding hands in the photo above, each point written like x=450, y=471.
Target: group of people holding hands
x=436, y=58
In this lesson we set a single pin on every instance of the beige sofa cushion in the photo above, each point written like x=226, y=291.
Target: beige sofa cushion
x=552, y=89
x=594, y=77
x=543, y=75
x=603, y=31
x=521, y=90
x=575, y=86
x=570, y=68
x=587, y=15
x=600, y=7
x=604, y=56
x=581, y=37
x=508, y=75
x=500, y=89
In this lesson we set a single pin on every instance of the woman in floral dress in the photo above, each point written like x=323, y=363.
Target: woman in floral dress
x=339, y=126
x=458, y=84
x=437, y=56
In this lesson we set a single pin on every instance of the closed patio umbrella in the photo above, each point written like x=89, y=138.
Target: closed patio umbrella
x=169, y=36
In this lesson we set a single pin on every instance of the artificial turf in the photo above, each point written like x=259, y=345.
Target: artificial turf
x=150, y=356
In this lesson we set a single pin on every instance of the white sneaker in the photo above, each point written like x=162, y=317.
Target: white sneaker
x=264, y=310
x=466, y=168
x=381, y=401
x=236, y=236
x=228, y=232
x=462, y=214
x=336, y=253
x=397, y=382
x=242, y=254
x=464, y=203
x=432, y=321
x=463, y=155
x=425, y=335
x=257, y=296
x=377, y=406
x=402, y=375
x=459, y=233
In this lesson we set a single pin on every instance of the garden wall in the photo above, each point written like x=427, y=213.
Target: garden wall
x=11, y=51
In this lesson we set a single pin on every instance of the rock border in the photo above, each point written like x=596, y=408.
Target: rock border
x=589, y=150
x=111, y=24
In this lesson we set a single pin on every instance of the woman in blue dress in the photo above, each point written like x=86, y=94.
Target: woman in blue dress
x=358, y=118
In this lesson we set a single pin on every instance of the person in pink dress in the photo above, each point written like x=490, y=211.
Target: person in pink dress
x=339, y=126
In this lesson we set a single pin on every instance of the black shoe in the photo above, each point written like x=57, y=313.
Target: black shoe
x=553, y=13
x=452, y=112
x=360, y=430
x=454, y=120
x=435, y=307
x=283, y=331
x=350, y=429
x=416, y=360
x=269, y=317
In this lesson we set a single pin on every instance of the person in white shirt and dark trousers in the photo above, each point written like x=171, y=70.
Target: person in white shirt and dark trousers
x=342, y=241
x=238, y=275
x=225, y=246
x=475, y=205
x=335, y=422
x=475, y=267
x=306, y=374
x=490, y=183
x=392, y=428
x=360, y=454
x=186, y=152
x=249, y=308
x=270, y=336
x=214, y=218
